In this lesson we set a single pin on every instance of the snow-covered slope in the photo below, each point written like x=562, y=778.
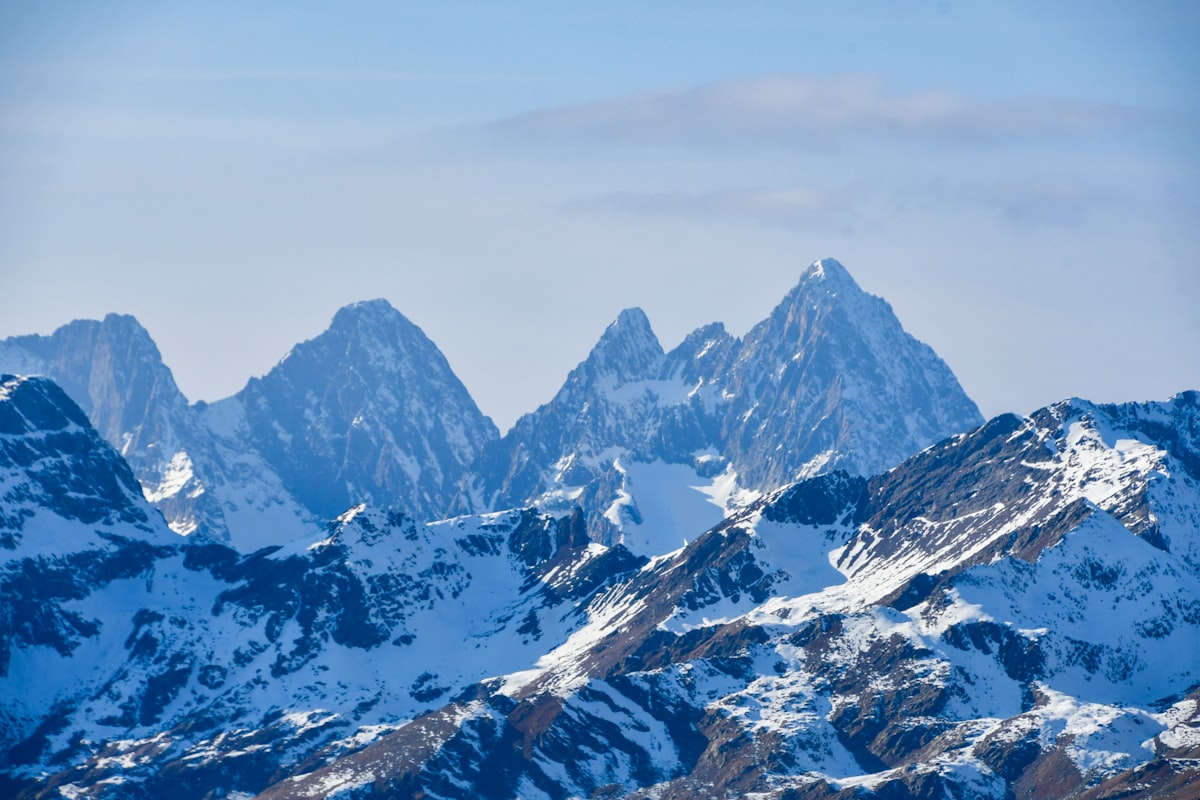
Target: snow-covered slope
x=72, y=522
x=830, y=380
x=1011, y=613
x=135, y=657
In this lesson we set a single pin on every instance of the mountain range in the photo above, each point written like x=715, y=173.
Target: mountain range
x=649, y=444
x=795, y=564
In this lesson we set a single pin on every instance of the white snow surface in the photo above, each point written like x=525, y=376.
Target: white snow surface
x=659, y=505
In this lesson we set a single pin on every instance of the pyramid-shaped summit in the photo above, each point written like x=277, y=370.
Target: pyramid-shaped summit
x=368, y=411
x=628, y=349
x=833, y=376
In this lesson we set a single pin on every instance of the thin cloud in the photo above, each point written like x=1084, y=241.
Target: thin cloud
x=797, y=110
x=315, y=75
x=788, y=206
x=74, y=70
x=1032, y=202
x=112, y=125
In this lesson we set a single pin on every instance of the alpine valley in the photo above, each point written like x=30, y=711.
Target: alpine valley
x=795, y=564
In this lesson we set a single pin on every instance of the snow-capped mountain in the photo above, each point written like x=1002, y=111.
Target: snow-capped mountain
x=73, y=519
x=1014, y=612
x=652, y=445
x=644, y=439
x=1000, y=615
x=368, y=411
x=830, y=380
x=125, y=637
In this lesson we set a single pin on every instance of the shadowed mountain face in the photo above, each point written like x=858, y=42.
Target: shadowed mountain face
x=368, y=411
x=830, y=380
x=58, y=465
x=114, y=371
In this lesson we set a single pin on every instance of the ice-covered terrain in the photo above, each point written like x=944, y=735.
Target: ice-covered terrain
x=126, y=645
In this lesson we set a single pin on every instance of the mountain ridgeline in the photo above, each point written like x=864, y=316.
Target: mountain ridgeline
x=370, y=412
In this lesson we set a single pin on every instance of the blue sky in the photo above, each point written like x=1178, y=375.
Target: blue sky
x=1019, y=182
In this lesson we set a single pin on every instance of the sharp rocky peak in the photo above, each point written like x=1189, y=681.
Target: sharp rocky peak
x=825, y=284
x=628, y=349
x=830, y=271
x=376, y=330
x=128, y=326
x=36, y=404
x=354, y=315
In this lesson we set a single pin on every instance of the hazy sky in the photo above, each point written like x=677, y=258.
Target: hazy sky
x=1020, y=180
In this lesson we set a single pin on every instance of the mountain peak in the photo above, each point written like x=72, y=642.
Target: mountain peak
x=830, y=272
x=367, y=411
x=632, y=322
x=371, y=334
x=35, y=404
x=73, y=473
x=628, y=349
x=839, y=379
x=125, y=323
x=368, y=313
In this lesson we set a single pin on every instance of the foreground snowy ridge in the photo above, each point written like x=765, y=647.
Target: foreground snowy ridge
x=1004, y=609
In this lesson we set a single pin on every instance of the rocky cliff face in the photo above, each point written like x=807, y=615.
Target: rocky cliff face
x=785, y=566
x=830, y=380
x=833, y=377
x=118, y=630
x=114, y=371
x=650, y=444
x=369, y=411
